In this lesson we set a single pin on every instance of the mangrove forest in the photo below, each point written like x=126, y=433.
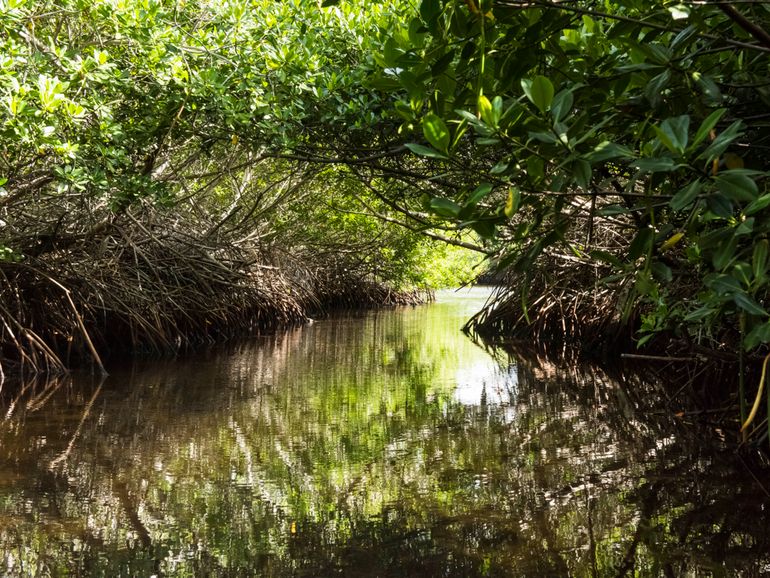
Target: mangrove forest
x=397, y=288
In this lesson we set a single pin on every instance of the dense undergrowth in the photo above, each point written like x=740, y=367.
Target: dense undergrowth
x=150, y=200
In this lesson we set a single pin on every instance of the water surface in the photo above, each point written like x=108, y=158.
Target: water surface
x=375, y=444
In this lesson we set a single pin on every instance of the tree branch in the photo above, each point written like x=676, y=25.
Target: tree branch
x=756, y=31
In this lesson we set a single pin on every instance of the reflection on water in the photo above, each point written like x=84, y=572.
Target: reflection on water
x=377, y=444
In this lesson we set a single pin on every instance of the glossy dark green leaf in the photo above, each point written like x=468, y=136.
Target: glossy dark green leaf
x=562, y=105
x=725, y=253
x=430, y=11
x=720, y=205
x=641, y=244
x=686, y=196
x=708, y=125
x=673, y=133
x=748, y=304
x=654, y=88
x=442, y=63
x=737, y=186
x=722, y=141
x=723, y=284
x=581, y=171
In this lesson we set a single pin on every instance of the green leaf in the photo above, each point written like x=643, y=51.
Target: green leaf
x=757, y=205
x=662, y=272
x=656, y=165
x=747, y=303
x=700, y=314
x=485, y=229
x=742, y=272
x=725, y=253
x=722, y=284
x=609, y=210
x=444, y=207
x=673, y=133
x=679, y=11
x=607, y=150
x=539, y=91
x=709, y=87
x=686, y=196
x=535, y=168
x=499, y=168
x=707, y=126
x=545, y=137
x=720, y=205
x=737, y=185
x=745, y=227
x=486, y=111
x=436, y=131
x=430, y=11
x=641, y=243
x=581, y=170
x=759, y=259
x=654, y=88
x=759, y=334
x=561, y=105
x=424, y=151
x=479, y=193
x=722, y=141
x=442, y=63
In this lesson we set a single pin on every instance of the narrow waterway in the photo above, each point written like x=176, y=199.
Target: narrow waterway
x=383, y=443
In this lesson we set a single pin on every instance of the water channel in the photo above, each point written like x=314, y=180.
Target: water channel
x=383, y=443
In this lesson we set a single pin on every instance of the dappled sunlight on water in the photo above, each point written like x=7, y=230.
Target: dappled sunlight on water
x=371, y=444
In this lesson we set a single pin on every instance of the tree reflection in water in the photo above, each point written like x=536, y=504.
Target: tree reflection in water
x=373, y=445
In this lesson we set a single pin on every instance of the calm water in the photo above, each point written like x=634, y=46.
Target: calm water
x=379, y=444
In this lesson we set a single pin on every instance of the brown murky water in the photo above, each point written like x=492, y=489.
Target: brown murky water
x=378, y=444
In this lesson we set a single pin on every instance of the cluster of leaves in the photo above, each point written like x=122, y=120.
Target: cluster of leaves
x=100, y=95
x=646, y=119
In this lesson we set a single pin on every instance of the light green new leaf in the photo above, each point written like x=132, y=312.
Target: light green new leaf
x=436, y=131
x=539, y=91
